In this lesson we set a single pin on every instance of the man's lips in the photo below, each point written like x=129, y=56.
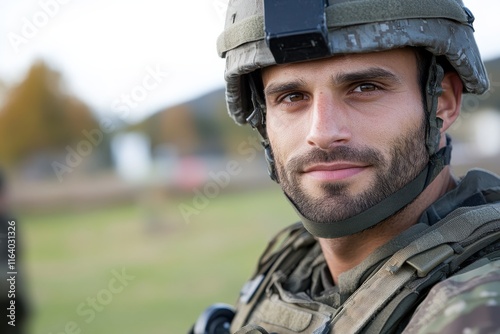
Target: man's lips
x=333, y=171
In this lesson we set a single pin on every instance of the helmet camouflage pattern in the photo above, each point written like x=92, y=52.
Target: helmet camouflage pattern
x=443, y=27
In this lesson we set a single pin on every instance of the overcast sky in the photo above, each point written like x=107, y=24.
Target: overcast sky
x=158, y=52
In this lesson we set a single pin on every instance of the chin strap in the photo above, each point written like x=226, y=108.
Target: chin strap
x=384, y=209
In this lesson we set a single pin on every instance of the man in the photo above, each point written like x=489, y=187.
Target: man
x=353, y=100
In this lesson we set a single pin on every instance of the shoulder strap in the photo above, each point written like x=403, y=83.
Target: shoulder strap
x=395, y=315
x=430, y=252
x=275, y=257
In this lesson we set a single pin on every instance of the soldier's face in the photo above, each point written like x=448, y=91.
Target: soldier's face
x=346, y=131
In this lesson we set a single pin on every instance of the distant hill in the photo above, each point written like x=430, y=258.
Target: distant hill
x=198, y=126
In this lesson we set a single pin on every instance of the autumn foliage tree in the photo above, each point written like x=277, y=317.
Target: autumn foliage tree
x=40, y=117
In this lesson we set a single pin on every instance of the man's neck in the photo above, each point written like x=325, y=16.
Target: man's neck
x=343, y=254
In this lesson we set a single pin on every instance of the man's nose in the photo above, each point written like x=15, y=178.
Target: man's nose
x=328, y=122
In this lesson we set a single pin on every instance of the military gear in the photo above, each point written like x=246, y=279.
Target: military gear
x=456, y=243
x=453, y=251
x=252, y=329
x=216, y=319
x=296, y=30
x=257, y=36
x=466, y=301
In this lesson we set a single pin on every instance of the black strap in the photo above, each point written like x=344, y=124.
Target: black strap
x=386, y=208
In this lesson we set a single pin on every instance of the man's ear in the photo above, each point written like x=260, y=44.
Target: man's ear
x=449, y=102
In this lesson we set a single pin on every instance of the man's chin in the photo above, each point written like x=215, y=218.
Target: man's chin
x=321, y=210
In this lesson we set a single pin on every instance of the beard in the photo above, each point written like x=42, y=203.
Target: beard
x=408, y=156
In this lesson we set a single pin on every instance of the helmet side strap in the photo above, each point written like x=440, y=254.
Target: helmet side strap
x=257, y=120
x=433, y=90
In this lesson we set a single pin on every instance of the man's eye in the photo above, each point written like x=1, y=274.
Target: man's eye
x=363, y=88
x=294, y=97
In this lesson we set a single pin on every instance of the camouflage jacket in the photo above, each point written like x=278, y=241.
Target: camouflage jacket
x=452, y=284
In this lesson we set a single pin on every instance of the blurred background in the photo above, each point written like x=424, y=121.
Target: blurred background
x=137, y=201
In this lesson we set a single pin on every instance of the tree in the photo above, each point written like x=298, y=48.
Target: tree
x=39, y=116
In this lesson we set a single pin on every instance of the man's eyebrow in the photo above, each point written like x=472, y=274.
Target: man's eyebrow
x=276, y=88
x=365, y=74
x=338, y=79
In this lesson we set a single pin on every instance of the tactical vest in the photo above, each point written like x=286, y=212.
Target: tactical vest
x=464, y=239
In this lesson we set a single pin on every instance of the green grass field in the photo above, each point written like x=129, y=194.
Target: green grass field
x=172, y=269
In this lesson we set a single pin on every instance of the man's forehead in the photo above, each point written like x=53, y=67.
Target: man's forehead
x=338, y=66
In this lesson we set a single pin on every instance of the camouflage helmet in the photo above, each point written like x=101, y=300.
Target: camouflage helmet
x=252, y=40
x=443, y=27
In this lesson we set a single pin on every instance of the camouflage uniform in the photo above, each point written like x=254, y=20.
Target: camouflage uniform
x=466, y=302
